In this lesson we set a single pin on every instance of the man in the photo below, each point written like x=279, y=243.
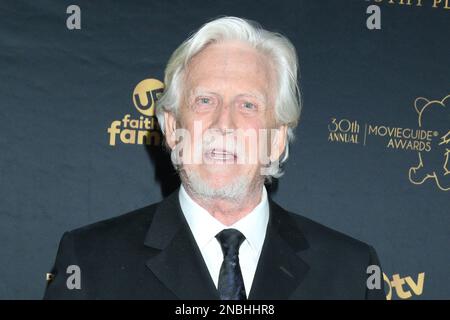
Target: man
x=228, y=113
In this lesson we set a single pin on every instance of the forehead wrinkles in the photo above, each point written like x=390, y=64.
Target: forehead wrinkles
x=227, y=64
x=227, y=55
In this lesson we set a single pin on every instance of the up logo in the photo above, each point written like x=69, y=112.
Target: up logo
x=143, y=129
x=434, y=165
x=145, y=95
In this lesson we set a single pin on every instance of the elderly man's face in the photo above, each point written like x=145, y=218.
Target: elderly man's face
x=229, y=88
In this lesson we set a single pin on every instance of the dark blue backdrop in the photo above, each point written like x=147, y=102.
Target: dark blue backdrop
x=61, y=89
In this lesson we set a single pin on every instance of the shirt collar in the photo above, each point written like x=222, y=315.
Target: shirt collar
x=205, y=227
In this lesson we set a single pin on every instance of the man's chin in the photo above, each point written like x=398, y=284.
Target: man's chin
x=220, y=166
x=218, y=180
x=220, y=184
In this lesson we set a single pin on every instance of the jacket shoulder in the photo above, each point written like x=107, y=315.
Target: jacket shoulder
x=133, y=224
x=325, y=239
x=337, y=260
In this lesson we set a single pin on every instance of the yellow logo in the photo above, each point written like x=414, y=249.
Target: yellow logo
x=434, y=166
x=145, y=95
x=431, y=146
x=145, y=129
x=435, y=4
x=404, y=286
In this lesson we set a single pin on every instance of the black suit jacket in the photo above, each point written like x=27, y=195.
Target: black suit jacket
x=151, y=253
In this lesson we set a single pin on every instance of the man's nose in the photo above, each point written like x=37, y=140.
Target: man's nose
x=224, y=118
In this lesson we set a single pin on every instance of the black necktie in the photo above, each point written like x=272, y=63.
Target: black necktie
x=231, y=285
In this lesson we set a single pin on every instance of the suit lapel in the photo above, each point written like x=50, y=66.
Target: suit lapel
x=280, y=269
x=179, y=264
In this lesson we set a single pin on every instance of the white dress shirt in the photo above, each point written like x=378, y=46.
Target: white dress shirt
x=205, y=227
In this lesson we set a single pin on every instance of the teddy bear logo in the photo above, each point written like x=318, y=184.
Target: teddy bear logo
x=435, y=164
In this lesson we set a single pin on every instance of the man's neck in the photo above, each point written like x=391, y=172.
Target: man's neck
x=229, y=211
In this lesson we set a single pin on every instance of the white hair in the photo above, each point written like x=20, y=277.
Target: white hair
x=274, y=45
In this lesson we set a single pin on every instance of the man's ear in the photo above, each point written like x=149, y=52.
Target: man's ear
x=170, y=125
x=278, y=144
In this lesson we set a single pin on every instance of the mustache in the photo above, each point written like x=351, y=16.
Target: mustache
x=221, y=145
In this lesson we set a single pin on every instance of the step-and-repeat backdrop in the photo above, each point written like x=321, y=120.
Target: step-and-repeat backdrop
x=79, y=141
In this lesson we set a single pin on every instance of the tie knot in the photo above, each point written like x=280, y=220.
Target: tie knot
x=230, y=240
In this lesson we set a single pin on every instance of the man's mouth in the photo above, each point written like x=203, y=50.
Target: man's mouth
x=221, y=155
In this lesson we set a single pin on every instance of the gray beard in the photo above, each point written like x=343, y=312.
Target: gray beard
x=236, y=191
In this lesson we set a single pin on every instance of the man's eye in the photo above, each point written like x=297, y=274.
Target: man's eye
x=249, y=106
x=204, y=100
